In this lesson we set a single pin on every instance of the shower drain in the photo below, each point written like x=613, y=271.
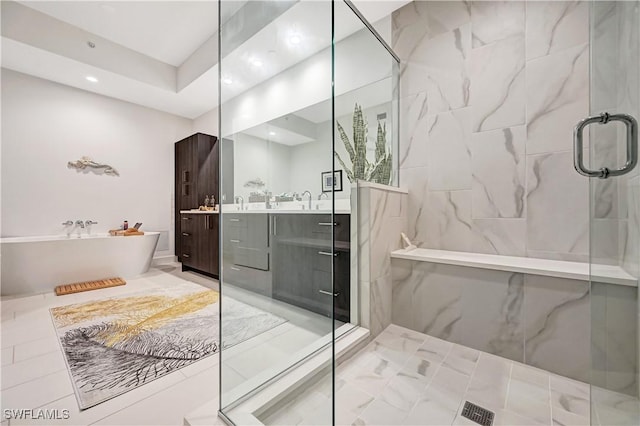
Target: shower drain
x=480, y=415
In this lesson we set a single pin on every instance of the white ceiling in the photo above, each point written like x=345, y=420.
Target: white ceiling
x=367, y=96
x=169, y=32
x=273, y=133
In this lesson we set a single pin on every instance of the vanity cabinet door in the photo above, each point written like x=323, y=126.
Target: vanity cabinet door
x=214, y=244
x=202, y=249
x=199, y=234
x=303, y=266
x=186, y=174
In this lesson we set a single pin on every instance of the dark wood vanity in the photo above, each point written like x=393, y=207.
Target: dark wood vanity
x=196, y=176
x=302, y=266
x=288, y=256
x=285, y=256
x=199, y=242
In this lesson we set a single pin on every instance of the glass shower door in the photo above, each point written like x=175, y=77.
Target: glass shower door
x=608, y=157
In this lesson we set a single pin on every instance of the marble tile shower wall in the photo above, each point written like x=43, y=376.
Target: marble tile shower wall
x=381, y=218
x=525, y=318
x=490, y=92
x=550, y=323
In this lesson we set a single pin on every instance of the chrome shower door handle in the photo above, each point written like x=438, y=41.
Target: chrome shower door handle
x=631, y=126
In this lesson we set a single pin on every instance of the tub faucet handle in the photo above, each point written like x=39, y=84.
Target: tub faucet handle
x=90, y=222
x=67, y=223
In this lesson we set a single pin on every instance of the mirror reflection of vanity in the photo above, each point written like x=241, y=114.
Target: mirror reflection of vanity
x=280, y=164
x=277, y=230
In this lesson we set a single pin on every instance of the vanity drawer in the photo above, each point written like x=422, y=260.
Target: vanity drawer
x=248, y=278
x=322, y=226
x=187, y=223
x=231, y=220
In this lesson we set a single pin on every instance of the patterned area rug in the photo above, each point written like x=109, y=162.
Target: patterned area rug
x=115, y=345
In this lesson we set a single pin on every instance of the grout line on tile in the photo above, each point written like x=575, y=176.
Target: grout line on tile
x=37, y=378
x=56, y=400
x=31, y=341
x=506, y=396
x=139, y=400
x=550, y=400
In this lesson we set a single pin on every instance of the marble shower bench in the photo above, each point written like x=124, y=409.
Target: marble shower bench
x=608, y=274
x=535, y=311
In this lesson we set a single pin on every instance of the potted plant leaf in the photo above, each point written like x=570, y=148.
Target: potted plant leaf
x=361, y=168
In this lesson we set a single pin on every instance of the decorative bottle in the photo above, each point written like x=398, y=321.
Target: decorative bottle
x=206, y=201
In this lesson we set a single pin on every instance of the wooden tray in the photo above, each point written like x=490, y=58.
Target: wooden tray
x=122, y=233
x=88, y=285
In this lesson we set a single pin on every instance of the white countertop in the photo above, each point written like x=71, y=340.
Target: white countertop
x=610, y=274
x=272, y=211
x=282, y=211
x=198, y=212
x=341, y=206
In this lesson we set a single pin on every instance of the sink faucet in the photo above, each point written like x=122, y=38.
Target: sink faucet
x=310, y=197
x=267, y=200
x=323, y=194
x=241, y=201
x=80, y=224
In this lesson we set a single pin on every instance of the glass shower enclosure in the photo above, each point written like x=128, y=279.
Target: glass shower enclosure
x=609, y=158
x=308, y=106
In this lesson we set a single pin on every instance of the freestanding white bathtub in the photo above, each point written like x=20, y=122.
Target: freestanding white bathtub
x=37, y=264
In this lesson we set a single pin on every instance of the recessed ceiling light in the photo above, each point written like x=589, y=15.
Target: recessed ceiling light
x=91, y=79
x=227, y=80
x=256, y=63
x=295, y=39
x=272, y=133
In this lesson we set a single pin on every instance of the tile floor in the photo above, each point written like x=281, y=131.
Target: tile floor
x=408, y=378
x=34, y=374
x=402, y=377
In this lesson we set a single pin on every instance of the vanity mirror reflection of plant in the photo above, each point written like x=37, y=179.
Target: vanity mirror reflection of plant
x=380, y=170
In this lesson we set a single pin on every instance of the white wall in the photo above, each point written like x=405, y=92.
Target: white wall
x=310, y=160
x=257, y=158
x=45, y=125
x=206, y=123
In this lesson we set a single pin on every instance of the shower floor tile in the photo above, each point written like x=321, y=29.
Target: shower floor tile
x=407, y=378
